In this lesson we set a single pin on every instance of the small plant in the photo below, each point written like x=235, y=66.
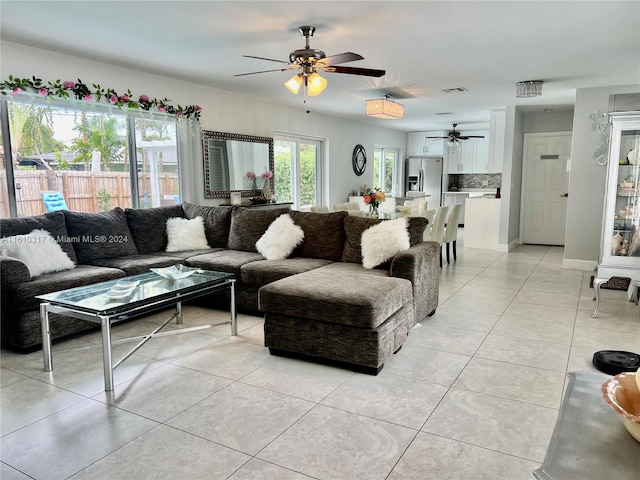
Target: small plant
x=104, y=200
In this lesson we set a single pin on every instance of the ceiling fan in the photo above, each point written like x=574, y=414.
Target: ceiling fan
x=454, y=136
x=309, y=61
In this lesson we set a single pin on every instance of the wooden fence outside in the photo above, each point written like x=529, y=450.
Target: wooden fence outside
x=81, y=190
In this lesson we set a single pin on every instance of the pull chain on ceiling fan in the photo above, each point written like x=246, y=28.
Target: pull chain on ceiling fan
x=308, y=61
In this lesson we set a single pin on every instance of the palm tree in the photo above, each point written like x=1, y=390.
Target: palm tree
x=102, y=135
x=30, y=132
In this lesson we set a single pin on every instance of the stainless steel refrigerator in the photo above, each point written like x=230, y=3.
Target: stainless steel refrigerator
x=424, y=177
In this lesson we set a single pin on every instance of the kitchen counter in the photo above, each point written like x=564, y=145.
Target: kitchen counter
x=482, y=222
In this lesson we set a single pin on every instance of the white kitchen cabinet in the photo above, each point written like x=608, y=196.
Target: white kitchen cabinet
x=419, y=145
x=416, y=144
x=469, y=156
x=496, y=141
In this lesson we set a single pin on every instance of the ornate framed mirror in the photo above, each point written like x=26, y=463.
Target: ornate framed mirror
x=227, y=159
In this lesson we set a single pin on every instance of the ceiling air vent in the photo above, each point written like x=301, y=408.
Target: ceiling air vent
x=454, y=90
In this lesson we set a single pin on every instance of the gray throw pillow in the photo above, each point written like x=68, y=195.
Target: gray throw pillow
x=100, y=235
x=249, y=224
x=217, y=222
x=323, y=234
x=148, y=226
x=52, y=222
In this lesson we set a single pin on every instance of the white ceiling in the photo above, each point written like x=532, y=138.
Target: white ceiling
x=425, y=47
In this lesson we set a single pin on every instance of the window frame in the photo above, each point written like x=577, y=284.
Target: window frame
x=320, y=166
x=130, y=117
x=381, y=168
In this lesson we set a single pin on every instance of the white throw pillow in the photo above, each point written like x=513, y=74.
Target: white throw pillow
x=383, y=241
x=184, y=234
x=38, y=250
x=280, y=239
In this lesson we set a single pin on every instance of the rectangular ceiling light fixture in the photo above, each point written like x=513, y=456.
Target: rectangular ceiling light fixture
x=384, y=108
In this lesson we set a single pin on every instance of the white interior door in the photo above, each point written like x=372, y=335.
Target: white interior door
x=545, y=188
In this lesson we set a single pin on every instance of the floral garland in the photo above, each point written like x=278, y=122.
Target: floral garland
x=82, y=92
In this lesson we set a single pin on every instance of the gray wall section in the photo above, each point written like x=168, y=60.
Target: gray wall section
x=548, y=122
x=587, y=179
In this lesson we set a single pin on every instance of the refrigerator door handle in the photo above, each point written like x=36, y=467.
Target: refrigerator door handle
x=421, y=180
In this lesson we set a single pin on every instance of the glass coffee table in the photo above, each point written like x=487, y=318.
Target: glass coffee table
x=109, y=302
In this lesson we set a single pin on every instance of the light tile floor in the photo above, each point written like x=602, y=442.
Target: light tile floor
x=473, y=394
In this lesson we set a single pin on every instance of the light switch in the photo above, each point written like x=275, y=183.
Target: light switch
x=485, y=183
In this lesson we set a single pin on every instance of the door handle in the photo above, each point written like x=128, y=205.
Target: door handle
x=564, y=195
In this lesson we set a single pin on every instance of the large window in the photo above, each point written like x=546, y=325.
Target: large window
x=385, y=168
x=89, y=157
x=298, y=171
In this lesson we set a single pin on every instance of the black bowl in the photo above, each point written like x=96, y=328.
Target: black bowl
x=259, y=200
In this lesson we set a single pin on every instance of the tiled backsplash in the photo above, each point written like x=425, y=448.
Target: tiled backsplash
x=477, y=180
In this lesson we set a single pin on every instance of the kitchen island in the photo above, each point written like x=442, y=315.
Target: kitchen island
x=482, y=222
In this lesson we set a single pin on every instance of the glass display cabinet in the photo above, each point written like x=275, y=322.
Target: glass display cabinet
x=620, y=243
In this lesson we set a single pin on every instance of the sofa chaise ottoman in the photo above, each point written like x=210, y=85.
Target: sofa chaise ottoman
x=353, y=319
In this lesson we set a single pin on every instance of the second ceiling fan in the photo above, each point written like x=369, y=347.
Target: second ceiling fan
x=454, y=136
x=308, y=61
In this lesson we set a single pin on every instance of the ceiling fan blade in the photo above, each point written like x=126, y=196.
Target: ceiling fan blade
x=475, y=136
x=263, y=58
x=264, y=71
x=367, y=72
x=436, y=137
x=463, y=138
x=341, y=58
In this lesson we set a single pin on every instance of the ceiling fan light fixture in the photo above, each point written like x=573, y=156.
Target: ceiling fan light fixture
x=384, y=108
x=529, y=88
x=294, y=84
x=316, y=84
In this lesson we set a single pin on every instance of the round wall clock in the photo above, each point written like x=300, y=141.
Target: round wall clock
x=359, y=160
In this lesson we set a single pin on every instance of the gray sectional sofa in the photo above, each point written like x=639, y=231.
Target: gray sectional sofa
x=318, y=302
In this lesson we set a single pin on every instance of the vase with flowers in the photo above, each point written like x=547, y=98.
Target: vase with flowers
x=266, y=188
x=373, y=198
x=252, y=177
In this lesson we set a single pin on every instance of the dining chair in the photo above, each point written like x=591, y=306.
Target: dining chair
x=320, y=209
x=346, y=206
x=419, y=208
x=436, y=233
x=451, y=230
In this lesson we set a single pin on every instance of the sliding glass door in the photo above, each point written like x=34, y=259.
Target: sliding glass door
x=298, y=171
x=96, y=159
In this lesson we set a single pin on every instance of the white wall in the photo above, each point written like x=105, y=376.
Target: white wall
x=222, y=111
x=587, y=179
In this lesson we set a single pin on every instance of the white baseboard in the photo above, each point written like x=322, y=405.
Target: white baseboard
x=579, y=264
x=507, y=248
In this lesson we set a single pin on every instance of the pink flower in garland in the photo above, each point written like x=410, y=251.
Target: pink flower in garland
x=43, y=91
x=162, y=108
x=113, y=99
x=88, y=98
x=68, y=85
x=124, y=98
x=144, y=98
x=16, y=90
x=198, y=108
